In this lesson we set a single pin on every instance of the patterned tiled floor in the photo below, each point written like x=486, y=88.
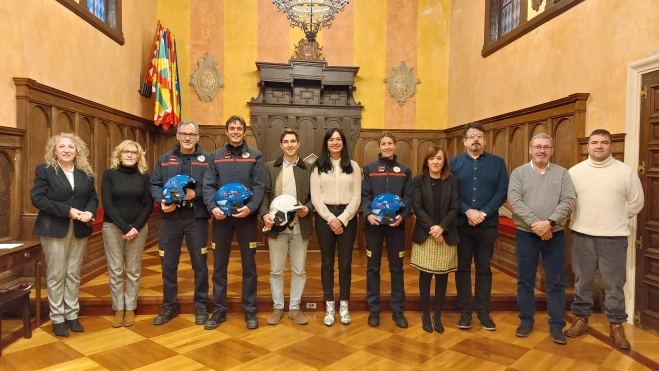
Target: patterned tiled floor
x=180, y=345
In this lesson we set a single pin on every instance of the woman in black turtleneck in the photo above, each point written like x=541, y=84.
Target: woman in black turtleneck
x=127, y=203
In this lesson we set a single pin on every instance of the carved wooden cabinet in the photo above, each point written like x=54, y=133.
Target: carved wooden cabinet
x=308, y=96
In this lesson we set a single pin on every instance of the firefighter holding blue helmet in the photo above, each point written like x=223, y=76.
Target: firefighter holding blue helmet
x=386, y=203
x=236, y=162
x=176, y=186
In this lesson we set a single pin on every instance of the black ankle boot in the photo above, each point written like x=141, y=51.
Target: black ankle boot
x=425, y=321
x=438, y=323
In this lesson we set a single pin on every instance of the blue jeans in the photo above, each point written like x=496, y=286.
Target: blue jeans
x=529, y=247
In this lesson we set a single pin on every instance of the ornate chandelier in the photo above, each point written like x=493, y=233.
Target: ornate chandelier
x=310, y=15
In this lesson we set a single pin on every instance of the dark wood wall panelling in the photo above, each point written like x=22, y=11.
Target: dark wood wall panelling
x=308, y=96
x=42, y=111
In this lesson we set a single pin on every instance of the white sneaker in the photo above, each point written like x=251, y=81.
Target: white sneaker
x=329, y=313
x=343, y=312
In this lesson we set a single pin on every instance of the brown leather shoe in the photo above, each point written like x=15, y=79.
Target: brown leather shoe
x=118, y=319
x=276, y=316
x=297, y=316
x=618, y=336
x=579, y=327
x=129, y=318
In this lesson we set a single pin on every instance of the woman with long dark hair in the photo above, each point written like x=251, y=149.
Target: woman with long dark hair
x=434, y=243
x=127, y=203
x=336, y=193
x=65, y=196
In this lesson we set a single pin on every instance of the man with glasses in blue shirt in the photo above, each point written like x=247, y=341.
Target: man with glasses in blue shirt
x=482, y=186
x=189, y=220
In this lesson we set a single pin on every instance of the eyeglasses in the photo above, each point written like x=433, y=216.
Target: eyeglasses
x=538, y=147
x=187, y=135
x=474, y=136
x=127, y=152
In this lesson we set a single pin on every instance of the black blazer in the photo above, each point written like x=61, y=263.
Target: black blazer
x=53, y=196
x=424, y=210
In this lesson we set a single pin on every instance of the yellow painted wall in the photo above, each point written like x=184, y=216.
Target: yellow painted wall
x=432, y=69
x=369, y=40
x=585, y=50
x=45, y=41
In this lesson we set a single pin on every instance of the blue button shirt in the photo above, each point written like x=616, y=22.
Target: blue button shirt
x=482, y=185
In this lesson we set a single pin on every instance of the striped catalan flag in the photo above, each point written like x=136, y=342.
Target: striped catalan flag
x=175, y=114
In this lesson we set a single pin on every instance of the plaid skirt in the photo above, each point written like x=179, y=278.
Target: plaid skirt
x=433, y=257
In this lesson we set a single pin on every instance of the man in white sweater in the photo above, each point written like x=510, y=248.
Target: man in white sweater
x=609, y=193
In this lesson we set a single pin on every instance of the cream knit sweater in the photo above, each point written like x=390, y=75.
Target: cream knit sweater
x=609, y=193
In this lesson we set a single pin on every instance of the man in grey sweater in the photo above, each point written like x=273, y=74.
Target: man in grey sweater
x=542, y=196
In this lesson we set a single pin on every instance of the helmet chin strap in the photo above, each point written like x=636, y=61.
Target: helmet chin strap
x=389, y=217
x=235, y=205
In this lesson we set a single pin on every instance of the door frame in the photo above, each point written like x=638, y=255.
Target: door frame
x=635, y=70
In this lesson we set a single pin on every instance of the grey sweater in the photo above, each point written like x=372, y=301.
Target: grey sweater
x=536, y=197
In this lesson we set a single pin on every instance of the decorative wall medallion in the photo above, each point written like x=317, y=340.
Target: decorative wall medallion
x=308, y=51
x=207, y=79
x=402, y=83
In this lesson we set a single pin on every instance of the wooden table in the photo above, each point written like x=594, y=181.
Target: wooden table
x=28, y=252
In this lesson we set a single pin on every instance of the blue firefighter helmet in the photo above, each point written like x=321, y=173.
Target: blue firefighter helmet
x=173, y=192
x=231, y=197
x=385, y=206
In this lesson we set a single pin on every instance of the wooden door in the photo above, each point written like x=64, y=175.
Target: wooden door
x=646, y=314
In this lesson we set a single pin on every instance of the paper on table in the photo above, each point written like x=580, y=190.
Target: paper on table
x=7, y=246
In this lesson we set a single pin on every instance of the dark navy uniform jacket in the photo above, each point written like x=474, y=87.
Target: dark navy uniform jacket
x=174, y=163
x=231, y=164
x=387, y=176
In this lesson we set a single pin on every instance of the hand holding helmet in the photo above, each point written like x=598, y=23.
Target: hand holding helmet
x=174, y=190
x=283, y=209
x=231, y=197
x=385, y=207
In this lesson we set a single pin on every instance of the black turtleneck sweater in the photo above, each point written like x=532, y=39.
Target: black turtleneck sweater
x=126, y=197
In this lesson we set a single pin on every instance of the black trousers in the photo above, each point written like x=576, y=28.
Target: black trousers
x=330, y=242
x=441, y=281
x=172, y=232
x=395, y=238
x=223, y=231
x=477, y=243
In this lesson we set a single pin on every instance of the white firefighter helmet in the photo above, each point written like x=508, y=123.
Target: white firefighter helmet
x=283, y=209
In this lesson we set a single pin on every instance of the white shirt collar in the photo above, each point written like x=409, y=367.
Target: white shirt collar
x=287, y=164
x=543, y=170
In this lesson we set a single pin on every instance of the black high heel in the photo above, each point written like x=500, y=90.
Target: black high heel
x=425, y=321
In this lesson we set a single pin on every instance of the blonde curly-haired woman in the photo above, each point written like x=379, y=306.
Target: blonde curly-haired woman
x=127, y=203
x=64, y=193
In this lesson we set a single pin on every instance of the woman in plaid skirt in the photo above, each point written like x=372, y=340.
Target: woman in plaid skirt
x=436, y=203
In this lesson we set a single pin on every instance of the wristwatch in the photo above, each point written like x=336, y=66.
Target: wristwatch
x=551, y=222
x=484, y=215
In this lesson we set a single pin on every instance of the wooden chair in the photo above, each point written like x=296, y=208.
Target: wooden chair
x=11, y=297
